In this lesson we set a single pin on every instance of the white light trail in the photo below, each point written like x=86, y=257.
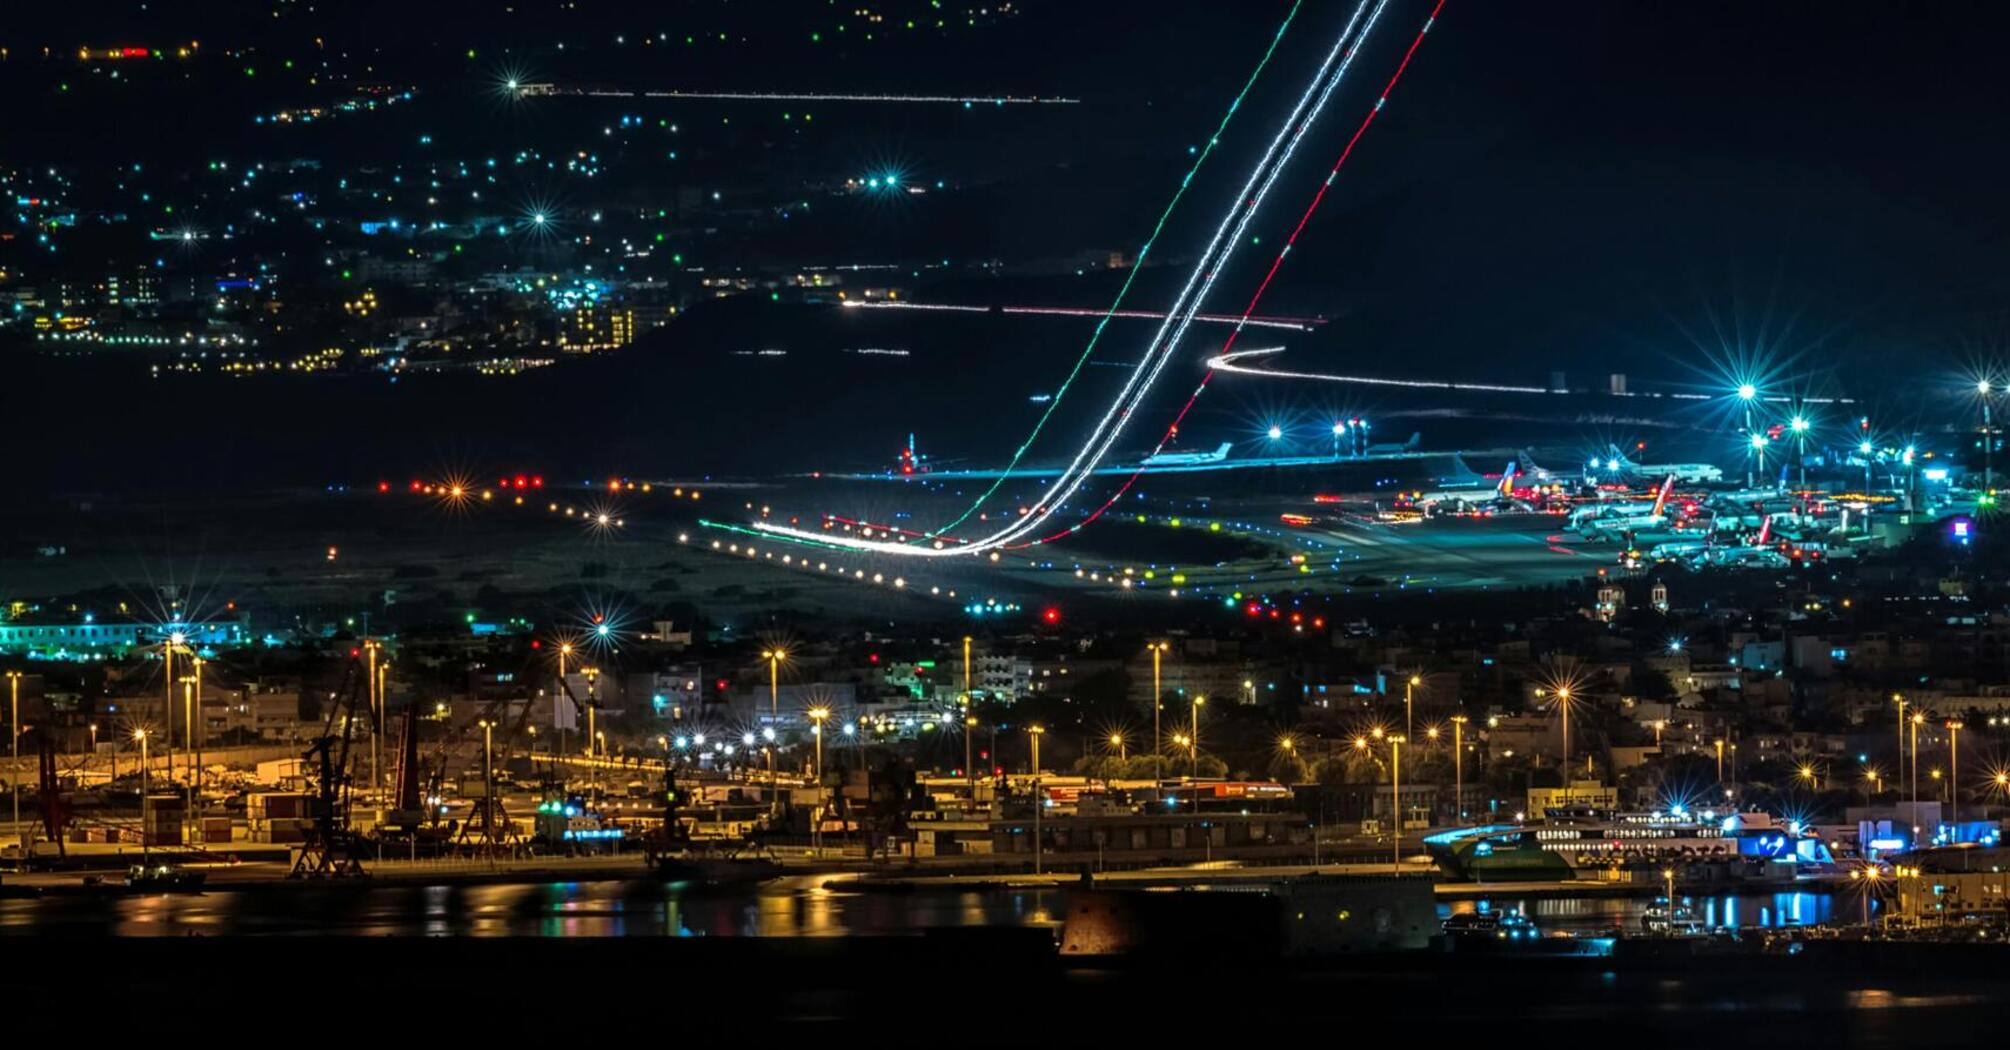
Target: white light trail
x=1293, y=324
x=1231, y=362
x=550, y=90
x=1142, y=382
x=1228, y=236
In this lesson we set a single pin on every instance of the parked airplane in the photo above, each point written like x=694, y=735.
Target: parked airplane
x=1687, y=473
x=1609, y=518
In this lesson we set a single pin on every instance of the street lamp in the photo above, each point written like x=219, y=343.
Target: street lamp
x=1459, y=765
x=592, y=722
x=1917, y=721
x=1117, y=741
x=141, y=736
x=1198, y=700
x=1982, y=389
x=774, y=657
x=969, y=723
x=1563, y=703
x=1409, y=721
x=969, y=752
x=488, y=787
x=1158, y=701
x=1396, y=788
x=1799, y=426
x=1036, y=731
x=817, y=715
x=14, y=729
x=1954, y=772
x=1899, y=699
x=1868, y=876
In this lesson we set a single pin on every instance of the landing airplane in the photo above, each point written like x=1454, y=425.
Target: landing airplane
x=1181, y=459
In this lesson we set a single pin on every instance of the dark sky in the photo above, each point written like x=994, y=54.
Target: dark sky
x=1583, y=185
x=1576, y=183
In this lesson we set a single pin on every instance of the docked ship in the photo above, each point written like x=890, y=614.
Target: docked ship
x=1572, y=842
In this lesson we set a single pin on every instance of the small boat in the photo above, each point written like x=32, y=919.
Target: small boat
x=162, y=877
x=1673, y=919
x=715, y=871
x=1505, y=925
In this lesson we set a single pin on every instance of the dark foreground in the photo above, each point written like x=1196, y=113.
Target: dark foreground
x=991, y=986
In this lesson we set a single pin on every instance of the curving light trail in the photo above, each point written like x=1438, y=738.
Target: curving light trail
x=1264, y=285
x=1158, y=356
x=1228, y=236
x=1294, y=324
x=1088, y=351
x=1231, y=362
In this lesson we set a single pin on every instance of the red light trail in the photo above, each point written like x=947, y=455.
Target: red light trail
x=1264, y=286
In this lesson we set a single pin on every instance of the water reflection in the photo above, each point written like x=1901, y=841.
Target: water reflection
x=1723, y=911
x=787, y=908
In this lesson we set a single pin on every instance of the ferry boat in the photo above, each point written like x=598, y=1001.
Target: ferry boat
x=1573, y=841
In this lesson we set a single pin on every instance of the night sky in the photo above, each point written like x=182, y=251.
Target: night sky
x=1577, y=185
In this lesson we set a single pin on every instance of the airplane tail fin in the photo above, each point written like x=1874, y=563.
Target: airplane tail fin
x=1661, y=497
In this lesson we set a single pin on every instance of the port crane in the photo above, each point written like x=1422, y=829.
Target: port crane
x=332, y=849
